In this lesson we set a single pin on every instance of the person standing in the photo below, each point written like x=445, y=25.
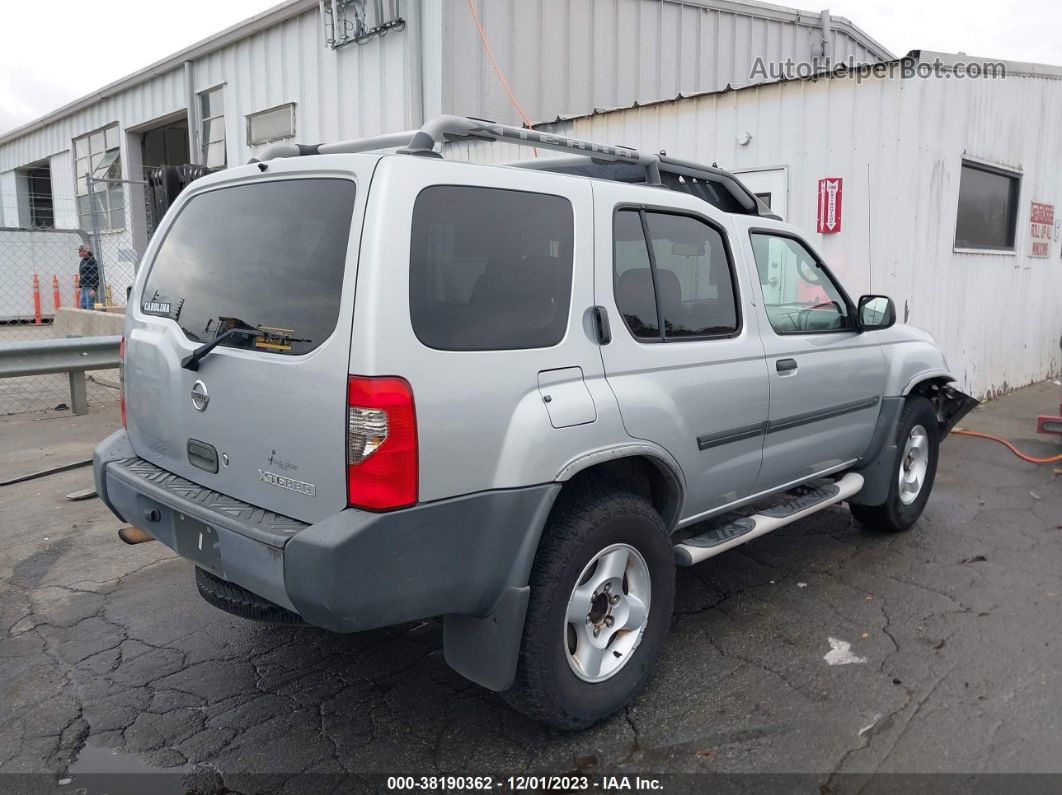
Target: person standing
x=89, y=277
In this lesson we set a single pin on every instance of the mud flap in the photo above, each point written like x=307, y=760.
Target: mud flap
x=485, y=650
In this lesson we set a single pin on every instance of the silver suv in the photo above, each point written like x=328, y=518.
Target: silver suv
x=366, y=388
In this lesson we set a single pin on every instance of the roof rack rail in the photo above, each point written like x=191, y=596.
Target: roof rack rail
x=448, y=129
x=370, y=144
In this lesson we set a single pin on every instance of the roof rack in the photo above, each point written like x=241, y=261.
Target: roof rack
x=450, y=129
x=712, y=184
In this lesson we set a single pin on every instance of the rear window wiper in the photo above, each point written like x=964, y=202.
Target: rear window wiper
x=191, y=362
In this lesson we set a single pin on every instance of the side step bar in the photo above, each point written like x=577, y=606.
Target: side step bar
x=720, y=539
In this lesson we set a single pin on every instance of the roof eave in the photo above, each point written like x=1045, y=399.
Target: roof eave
x=241, y=30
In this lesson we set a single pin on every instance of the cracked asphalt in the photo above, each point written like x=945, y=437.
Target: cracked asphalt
x=954, y=627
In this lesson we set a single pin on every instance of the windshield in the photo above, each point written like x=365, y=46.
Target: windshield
x=268, y=256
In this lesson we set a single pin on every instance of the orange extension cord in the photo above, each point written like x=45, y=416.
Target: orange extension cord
x=497, y=69
x=1013, y=449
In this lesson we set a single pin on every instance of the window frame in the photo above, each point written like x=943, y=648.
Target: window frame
x=571, y=283
x=1014, y=215
x=36, y=210
x=204, y=145
x=106, y=208
x=250, y=116
x=735, y=286
x=850, y=317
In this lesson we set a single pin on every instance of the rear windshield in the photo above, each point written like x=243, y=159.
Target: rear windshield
x=268, y=257
x=490, y=269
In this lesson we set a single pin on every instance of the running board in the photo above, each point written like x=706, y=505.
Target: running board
x=720, y=539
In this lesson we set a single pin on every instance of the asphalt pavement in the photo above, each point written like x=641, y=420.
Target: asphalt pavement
x=822, y=649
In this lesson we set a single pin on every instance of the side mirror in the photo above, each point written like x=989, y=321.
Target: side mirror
x=875, y=312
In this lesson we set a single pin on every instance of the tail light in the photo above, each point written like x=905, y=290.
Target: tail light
x=381, y=443
x=121, y=379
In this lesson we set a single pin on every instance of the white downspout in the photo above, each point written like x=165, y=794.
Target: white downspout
x=827, y=38
x=195, y=153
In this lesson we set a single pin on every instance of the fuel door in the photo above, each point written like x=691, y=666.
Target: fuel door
x=567, y=400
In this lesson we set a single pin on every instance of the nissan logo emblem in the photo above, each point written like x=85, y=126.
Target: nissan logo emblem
x=200, y=396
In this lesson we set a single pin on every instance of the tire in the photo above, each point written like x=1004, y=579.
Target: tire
x=902, y=509
x=591, y=520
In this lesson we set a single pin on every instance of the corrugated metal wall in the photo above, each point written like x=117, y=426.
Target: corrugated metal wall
x=565, y=57
x=8, y=201
x=561, y=56
x=898, y=145
x=159, y=96
x=345, y=93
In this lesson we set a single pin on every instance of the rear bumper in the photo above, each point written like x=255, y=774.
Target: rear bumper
x=354, y=571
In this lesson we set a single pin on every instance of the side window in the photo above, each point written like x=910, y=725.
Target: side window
x=633, y=277
x=683, y=277
x=798, y=294
x=490, y=269
x=692, y=277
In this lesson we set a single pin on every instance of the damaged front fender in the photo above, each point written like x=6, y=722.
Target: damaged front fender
x=951, y=405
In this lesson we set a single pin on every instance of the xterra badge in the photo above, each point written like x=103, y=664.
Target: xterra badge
x=281, y=482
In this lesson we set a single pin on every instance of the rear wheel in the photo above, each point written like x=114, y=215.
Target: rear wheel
x=602, y=590
x=917, y=442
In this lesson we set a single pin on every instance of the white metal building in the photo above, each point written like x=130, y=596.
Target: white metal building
x=951, y=198
x=312, y=70
x=678, y=75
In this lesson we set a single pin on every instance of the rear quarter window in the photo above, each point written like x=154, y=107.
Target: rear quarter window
x=490, y=269
x=268, y=256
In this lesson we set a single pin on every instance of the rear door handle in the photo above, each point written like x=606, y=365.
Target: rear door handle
x=786, y=365
x=601, y=325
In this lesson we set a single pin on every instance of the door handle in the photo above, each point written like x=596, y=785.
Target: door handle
x=601, y=325
x=785, y=366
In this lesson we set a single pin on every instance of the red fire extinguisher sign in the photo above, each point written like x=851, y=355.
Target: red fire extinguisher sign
x=829, y=214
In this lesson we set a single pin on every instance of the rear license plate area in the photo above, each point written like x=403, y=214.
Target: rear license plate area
x=198, y=542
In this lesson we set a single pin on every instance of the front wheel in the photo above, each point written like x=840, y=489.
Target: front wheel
x=917, y=442
x=602, y=590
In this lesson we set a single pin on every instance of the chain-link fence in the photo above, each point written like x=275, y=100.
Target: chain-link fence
x=48, y=289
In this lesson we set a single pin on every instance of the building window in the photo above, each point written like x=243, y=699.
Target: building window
x=39, y=184
x=270, y=125
x=212, y=112
x=98, y=156
x=988, y=207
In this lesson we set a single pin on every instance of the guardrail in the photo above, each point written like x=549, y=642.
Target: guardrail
x=73, y=356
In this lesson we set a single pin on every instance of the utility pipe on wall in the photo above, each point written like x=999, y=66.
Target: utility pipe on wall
x=827, y=37
x=195, y=155
x=327, y=28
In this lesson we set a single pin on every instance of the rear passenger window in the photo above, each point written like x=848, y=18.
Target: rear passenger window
x=490, y=269
x=681, y=282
